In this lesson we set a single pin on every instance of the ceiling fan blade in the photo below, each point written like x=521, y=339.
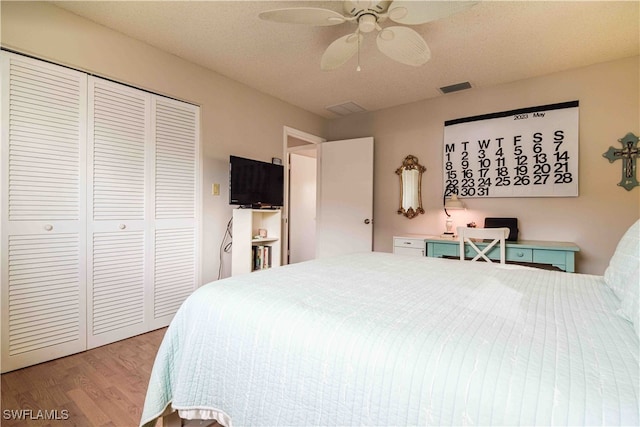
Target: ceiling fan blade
x=340, y=51
x=304, y=15
x=420, y=12
x=404, y=45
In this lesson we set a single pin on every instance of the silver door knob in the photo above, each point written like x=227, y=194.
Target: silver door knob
x=367, y=221
x=48, y=227
x=122, y=226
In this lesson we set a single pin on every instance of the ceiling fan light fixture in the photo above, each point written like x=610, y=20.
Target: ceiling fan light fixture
x=367, y=23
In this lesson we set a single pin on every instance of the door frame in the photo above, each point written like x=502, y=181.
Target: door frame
x=312, y=140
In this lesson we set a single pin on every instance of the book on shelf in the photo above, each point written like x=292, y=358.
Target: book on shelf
x=261, y=255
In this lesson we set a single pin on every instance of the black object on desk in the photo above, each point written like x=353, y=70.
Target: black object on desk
x=510, y=223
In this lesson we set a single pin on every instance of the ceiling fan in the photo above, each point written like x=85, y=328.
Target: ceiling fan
x=399, y=43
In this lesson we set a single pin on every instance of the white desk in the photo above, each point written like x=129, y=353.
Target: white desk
x=411, y=244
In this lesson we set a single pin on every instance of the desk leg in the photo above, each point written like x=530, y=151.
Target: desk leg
x=570, y=264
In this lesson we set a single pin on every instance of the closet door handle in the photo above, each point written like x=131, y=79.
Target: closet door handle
x=122, y=226
x=367, y=221
x=48, y=227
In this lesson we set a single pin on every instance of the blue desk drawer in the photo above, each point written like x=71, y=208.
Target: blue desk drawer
x=512, y=254
x=549, y=257
x=451, y=249
x=519, y=254
x=444, y=249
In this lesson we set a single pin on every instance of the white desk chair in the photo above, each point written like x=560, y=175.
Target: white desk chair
x=496, y=235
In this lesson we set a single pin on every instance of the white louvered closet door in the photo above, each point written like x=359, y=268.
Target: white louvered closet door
x=43, y=223
x=175, y=127
x=119, y=171
x=91, y=253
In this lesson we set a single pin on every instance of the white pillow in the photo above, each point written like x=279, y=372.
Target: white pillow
x=623, y=276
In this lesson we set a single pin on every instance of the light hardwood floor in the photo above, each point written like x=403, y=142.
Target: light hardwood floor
x=105, y=386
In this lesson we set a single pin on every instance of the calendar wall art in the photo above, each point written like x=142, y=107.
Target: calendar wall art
x=529, y=152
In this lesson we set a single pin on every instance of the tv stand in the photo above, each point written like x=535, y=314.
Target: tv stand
x=248, y=243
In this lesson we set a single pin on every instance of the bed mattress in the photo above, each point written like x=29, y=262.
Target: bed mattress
x=388, y=340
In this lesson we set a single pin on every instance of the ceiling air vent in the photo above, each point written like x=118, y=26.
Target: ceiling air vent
x=456, y=87
x=346, y=108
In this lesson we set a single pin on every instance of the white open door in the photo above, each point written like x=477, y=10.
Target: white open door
x=345, y=197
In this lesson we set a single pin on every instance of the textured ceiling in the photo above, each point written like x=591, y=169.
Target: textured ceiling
x=493, y=42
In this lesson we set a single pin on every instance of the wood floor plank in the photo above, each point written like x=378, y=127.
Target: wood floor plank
x=76, y=417
x=89, y=407
x=105, y=386
x=124, y=403
x=117, y=410
x=96, y=362
x=48, y=397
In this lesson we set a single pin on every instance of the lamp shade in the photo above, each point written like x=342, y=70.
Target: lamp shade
x=367, y=23
x=453, y=203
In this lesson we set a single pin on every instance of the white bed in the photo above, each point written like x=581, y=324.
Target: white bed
x=387, y=340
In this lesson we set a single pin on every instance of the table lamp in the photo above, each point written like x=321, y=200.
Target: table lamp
x=453, y=203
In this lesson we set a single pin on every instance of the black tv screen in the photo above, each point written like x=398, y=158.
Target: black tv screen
x=255, y=183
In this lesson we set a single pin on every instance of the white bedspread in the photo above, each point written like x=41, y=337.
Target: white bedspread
x=387, y=340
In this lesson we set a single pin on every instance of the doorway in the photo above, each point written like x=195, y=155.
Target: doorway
x=299, y=216
x=302, y=204
x=343, y=221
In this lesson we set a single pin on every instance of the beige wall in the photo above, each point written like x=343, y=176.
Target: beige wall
x=235, y=119
x=609, y=108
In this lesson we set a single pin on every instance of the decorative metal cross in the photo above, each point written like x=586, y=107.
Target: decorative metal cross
x=629, y=156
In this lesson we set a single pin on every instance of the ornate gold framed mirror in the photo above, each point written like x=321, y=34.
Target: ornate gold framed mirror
x=410, y=174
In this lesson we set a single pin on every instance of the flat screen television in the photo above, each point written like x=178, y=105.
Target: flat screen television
x=253, y=183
